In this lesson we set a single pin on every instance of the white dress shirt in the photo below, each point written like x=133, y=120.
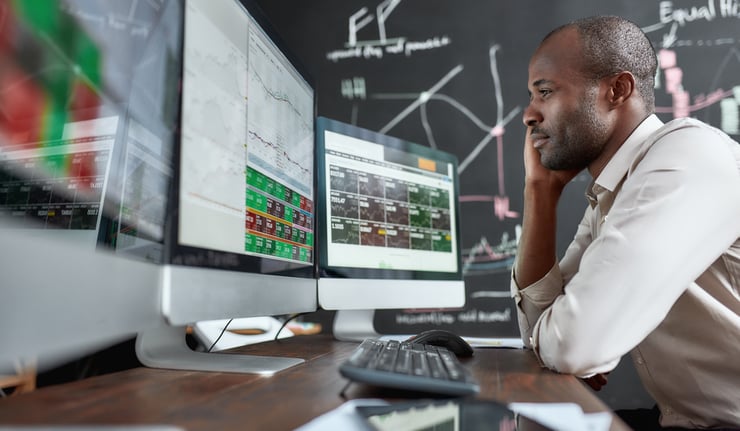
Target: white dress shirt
x=653, y=270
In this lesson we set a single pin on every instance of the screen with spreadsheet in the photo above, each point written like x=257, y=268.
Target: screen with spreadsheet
x=246, y=177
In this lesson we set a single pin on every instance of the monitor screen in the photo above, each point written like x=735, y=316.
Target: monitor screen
x=63, y=85
x=246, y=174
x=57, y=184
x=239, y=240
x=389, y=222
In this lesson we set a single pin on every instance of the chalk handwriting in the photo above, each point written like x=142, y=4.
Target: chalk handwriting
x=709, y=11
x=376, y=49
x=436, y=318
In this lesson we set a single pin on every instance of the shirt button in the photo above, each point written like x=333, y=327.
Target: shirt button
x=640, y=361
x=668, y=411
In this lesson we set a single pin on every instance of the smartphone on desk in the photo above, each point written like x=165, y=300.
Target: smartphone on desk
x=446, y=415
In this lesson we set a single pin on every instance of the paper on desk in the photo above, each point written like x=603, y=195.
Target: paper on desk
x=563, y=416
x=511, y=343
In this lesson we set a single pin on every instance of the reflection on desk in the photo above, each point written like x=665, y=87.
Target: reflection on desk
x=287, y=400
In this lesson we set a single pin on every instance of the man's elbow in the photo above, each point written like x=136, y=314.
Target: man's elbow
x=576, y=358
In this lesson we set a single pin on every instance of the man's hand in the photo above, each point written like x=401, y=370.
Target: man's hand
x=542, y=188
x=597, y=381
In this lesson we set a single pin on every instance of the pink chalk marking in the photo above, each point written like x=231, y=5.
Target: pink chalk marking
x=667, y=58
x=673, y=78
x=497, y=131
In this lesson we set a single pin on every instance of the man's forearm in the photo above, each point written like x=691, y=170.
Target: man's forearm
x=537, y=244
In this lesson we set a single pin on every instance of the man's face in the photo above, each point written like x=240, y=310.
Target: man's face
x=565, y=112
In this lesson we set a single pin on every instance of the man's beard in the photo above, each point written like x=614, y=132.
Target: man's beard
x=578, y=143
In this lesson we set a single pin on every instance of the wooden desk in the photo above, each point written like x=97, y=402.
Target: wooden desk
x=224, y=401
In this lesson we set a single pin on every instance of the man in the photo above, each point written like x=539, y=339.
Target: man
x=654, y=268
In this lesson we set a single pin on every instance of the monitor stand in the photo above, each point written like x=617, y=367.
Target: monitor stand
x=354, y=325
x=165, y=347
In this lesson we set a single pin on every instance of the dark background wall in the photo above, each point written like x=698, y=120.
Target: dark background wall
x=452, y=75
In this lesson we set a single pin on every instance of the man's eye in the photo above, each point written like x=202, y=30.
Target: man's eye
x=544, y=92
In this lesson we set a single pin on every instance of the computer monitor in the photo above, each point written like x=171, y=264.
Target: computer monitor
x=156, y=169
x=389, y=226
x=65, y=76
x=240, y=238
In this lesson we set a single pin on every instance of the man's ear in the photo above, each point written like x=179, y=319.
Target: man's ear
x=621, y=88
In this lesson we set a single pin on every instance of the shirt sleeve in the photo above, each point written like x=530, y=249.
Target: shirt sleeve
x=677, y=212
x=533, y=300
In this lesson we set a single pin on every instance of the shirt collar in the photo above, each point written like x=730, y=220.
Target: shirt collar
x=618, y=165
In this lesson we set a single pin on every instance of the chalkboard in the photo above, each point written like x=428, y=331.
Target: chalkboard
x=452, y=75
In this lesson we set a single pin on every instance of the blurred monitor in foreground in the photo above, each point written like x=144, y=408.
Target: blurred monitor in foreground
x=157, y=169
x=68, y=70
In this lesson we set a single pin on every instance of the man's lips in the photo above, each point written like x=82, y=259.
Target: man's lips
x=539, y=140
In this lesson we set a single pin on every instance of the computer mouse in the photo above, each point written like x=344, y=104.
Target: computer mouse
x=442, y=338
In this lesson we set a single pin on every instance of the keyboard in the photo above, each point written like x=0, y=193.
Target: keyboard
x=407, y=366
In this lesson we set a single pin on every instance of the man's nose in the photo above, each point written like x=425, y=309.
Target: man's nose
x=531, y=116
